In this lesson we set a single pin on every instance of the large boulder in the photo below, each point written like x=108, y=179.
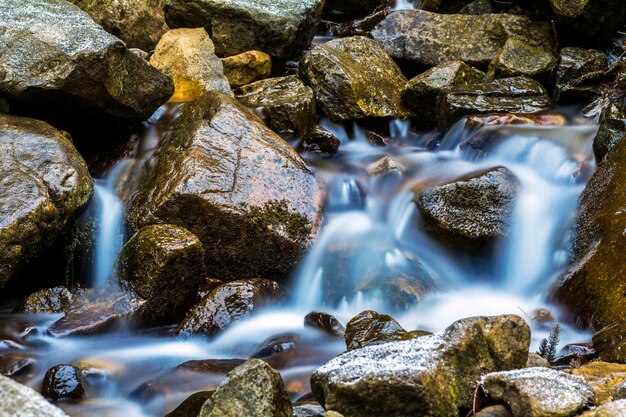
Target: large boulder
x=19, y=400
x=506, y=95
x=538, y=392
x=426, y=376
x=44, y=184
x=139, y=23
x=472, y=212
x=53, y=54
x=281, y=28
x=227, y=304
x=589, y=21
x=432, y=39
x=610, y=342
x=354, y=78
x=163, y=265
x=421, y=92
x=253, y=389
x=188, y=56
x=593, y=285
x=235, y=184
x=285, y=104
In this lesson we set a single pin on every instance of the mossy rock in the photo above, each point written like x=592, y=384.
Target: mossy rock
x=520, y=58
x=354, y=78
x=285, y=104
x=235, y=184
x=45, y=184
x=162, y=265
x=603, y=377
x=421, y=92
x=610, y=132
x=575, y=62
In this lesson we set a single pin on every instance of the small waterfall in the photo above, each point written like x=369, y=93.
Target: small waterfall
x=403, y=5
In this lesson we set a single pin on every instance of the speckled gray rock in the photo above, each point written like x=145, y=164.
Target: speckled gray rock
x=506, y=95
x=139, y=23
x=354, y=78
x=285, y=104
x=431, y=375
x=421, y=92
x=19, y=400
x=252, y=389
x=495, y=411
x=433, y=39
x=539, y=392
x=610, y=409
x=471, y=212
x=92, y=68
x=281, y=28
x=44, y=183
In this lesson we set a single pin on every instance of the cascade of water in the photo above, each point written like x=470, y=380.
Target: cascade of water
x=403, y=5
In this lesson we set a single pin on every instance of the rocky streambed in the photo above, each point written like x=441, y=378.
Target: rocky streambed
x=308, y=208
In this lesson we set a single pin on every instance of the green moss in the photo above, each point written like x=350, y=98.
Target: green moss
x=278, y=214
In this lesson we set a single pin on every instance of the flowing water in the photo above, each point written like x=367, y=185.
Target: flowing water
x=372, y=234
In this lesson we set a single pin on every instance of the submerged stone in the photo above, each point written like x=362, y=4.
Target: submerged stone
x=188, y=56
x=163, y=265
x=139, y=23
x=431, y=39
x=44, y=183
x=285, y=104
x=91, y=68
x=421, y=92
x=514, y=95
x=253, y=389
x=247, y=67
x=227, y=304
x=538, y=392
x=471, y=212
x=228, y=179
x=281, y=28
x=19, y=400
x=354, y=78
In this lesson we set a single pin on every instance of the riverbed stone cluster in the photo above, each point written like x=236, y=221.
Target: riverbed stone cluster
x=220, y=208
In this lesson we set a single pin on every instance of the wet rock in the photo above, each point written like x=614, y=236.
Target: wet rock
x=308, y=409
x=431, y=39
x=91, y=68
x=192, y=405
x=49, y=301
x=94, y=312
x=139, y=23
x=188, y=56
x=612, y=409
x=514, y=95
x=276, y=344
x=421, y=92
x=355, y=7
x=325, y=322
x=610, y=343
x=576, y=62
x=589, y=21
x=519, y=58
x=227, y=304
x=319, y=140
x=44, y=185
x=594, y=269
x=471, y=212
x=357, y=27
x=224, y=174
x=101, y=368
x=247, y=67
x=478, y=7
x=610, y=132
x=19, y=400
x=281, y=28
x=15, y=363
x=208, y=285
x=353, y=78
x=538, y=392
x=495, y=411
x=603, y=378
x=285, y=104
x=474, y=122
x=64, y=381
x=163, y=265
x=620, y=391
x=535, y=360
x=371, y=328
x=430, y=375
x=383, y=166
x=253, y=389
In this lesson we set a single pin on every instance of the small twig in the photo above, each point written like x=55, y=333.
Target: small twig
x=475, y=407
